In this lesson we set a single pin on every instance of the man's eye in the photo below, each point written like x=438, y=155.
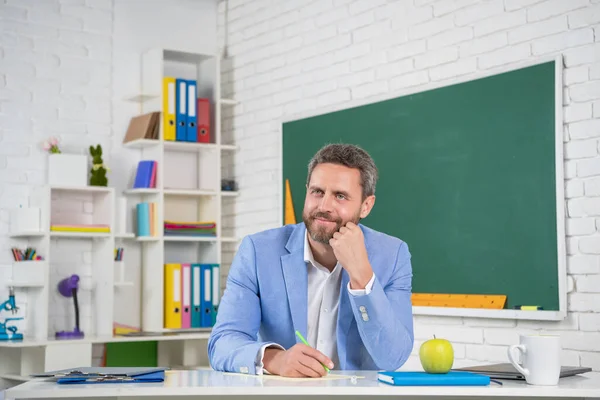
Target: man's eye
x=341, y=197
x=317, y=191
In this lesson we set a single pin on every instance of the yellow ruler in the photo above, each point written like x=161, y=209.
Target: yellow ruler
x=290, y=217
x=459, y=300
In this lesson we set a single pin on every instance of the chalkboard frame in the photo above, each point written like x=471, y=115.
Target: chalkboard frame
x=542, y=315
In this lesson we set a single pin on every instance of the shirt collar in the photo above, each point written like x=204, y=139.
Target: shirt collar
x=309, y=258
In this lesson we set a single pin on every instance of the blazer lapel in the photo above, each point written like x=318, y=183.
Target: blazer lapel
x=296, y=279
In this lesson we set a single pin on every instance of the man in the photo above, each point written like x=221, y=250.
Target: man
x=344, y=287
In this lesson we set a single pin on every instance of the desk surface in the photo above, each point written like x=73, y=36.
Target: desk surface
x=212, y=383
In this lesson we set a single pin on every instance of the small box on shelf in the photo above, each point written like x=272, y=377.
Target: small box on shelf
x=67, y=169
x=24, y=220
x=29, y=273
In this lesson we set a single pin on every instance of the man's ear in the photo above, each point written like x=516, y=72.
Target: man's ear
x=367, y=206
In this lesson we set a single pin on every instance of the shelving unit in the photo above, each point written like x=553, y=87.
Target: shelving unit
x=188, y=189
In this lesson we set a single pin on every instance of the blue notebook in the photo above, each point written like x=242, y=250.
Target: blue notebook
x=452, y=378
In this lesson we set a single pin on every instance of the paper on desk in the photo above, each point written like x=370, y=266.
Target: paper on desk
x=286, y=378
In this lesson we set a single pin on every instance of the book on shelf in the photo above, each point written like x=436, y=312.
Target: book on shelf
x=147, y=219
x=145, y=126
x=189, y=228
x=191, y=295
x=80, y=228
x=145, y=176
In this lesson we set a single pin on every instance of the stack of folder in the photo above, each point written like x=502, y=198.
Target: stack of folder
x=145, y=176
x=186, y=118
x=179, y=228
x=79, y=228
x=191, y=295
x=147, y=219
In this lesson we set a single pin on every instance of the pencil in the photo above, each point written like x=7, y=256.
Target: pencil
x=306, y=343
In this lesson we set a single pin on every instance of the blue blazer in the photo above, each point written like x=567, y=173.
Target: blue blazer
x=265, y=301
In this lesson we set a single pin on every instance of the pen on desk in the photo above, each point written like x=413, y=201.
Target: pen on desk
x=306, y=343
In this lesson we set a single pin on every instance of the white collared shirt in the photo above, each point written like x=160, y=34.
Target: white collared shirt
x=323, y=297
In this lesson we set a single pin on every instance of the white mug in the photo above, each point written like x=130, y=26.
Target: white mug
x=540, y=358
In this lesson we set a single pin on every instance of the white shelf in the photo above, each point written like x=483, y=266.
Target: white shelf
x=141, y=191
x=141, y=97
x=82, y=235
x=142, y=143
x=82, y=189
x=124, y=235
x=229, y=239
x=188, y=146
x=147, y=238
x=228, y=102
x=189, y=192
x=230, y=193
x=15, y=377
x=123, y=284
x=26, y=234
x=190, y=239
x=229, y=147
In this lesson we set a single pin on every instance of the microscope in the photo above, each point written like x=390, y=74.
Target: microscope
x=10, y=332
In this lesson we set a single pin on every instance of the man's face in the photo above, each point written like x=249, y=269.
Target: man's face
x=333, y=198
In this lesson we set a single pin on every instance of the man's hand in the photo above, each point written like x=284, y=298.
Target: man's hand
x=349, y=248
x=298, y=361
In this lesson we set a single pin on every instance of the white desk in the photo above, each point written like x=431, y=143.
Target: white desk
x=205, y=384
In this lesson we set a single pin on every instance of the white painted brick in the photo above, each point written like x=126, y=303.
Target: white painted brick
x=314, y=8
x=436, y=57
x=486, y=353
x=587, y=91
x=394, y=69
x=30, y=30
x=503, y=56
x=589, y=322
x=407, y=50
x=552, y=8
x=516, y=4
x=478, y=11
x=356, y=21
x=450, y=37
x=329, y=17
x=450, y=332
x=573, y=188
x=458, y=68
x=375, y=30
x=500, y=22
x=437, y=320
x=570, y=323
x=584, y=129
x=443, y=7
x=503, y=337
x=482, y=45
x=584, y=17
x=317, y=35
x=14, y=13
x=570, y=284
x=582, y=55
x=580, y=226
x=338, y=96
x=353, y=51
x=592, y=187
x=569, y=357
x=537, y=29
x=270, y=64
x=595, y=71
x=318, y=88
x=371, y=61
x=369, y=89
x=360, y=6
x=580, y=148
x=576, y=75
x=583, y=302
x=587, y=283
x=432, y=27
x=355, y=79
x=332, y=71
x=591, y=360
x=562, y=40
x=590, y=244
x=581, y=341
x=391, y=40
x=410, y=17
x=489, y=323
x=570, y=169
x=56, y=19
x=581, y=264
x=578, y=112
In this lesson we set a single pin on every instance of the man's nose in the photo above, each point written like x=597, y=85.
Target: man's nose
x=326, y=204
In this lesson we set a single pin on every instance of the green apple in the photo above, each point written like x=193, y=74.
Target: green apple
x=437, y=356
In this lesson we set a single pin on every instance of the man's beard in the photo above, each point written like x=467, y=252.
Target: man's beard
x=321, y=234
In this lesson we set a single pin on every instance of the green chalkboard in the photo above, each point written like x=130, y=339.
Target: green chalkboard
x=467, y=179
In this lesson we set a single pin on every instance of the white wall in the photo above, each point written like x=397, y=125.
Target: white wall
x=65, y=68
x=297, y=57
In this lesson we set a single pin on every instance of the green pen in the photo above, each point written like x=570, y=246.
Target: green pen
x=306, y=343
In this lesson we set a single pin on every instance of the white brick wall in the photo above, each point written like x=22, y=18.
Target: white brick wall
x=330, y=54
x=65, y=68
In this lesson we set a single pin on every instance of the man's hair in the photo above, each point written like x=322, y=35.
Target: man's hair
x=351, y=156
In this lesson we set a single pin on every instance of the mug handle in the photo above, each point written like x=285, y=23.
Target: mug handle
x=512, y=358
